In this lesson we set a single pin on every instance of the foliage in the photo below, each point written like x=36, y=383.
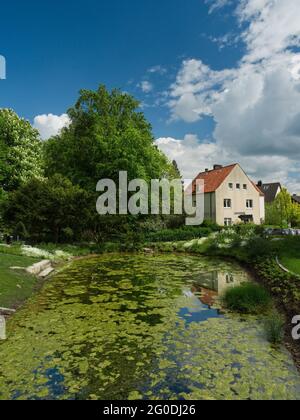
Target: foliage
x=49, y=208
x=20, y=231
x=20, y=151
x=107, y=135
x=274, y=328
x=183, y=234
x=283, y=211
x=249, y=298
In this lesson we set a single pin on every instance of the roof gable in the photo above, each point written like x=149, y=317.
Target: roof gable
x=214, y=179
x=270, y=191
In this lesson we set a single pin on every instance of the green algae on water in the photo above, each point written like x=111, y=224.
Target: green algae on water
x=141, y=327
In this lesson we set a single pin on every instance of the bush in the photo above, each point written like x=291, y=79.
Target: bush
x=274, y=324
x=184, y=234
x=248, y=298
x=259, y=247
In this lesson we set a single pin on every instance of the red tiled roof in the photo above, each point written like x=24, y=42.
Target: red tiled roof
x=213, y=179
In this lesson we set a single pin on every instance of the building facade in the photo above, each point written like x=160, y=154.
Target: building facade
x=230, y=196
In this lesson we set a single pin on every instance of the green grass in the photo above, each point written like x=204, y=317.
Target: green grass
x=291, y=263
x=15, y=286
x=274, y=328
x=248, y=298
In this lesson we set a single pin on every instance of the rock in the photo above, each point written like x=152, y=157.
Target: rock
x=2, y=328
x=37, y=268
x=6, y=311
x=46, y=272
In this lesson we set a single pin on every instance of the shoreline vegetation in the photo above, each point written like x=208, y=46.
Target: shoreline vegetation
x=245, y=244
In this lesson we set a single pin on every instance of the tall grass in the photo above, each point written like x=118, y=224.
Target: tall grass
x=248, y=298
x=274, y=324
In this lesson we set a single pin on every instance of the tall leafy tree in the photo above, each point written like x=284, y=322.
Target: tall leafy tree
x=20, y=151
x=48, y=210
x=107, y=135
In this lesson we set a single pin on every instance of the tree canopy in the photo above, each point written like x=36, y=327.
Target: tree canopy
x=107, y=135
x=20, y=151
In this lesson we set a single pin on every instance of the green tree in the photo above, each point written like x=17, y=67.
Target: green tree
x=20, y=151
x=53, y=210
x=284, y=204
x=295, y=216
x=107, y=135
x=283, y=212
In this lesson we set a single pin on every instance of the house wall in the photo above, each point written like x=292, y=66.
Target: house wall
x=238, y=199
x=210, y=207
x=262, y=208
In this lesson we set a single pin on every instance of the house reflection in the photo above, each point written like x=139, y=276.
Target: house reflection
x=209, y=286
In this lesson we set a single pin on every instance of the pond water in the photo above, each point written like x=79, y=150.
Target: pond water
x=136, y=326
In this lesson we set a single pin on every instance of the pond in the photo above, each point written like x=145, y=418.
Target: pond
x=141, y=327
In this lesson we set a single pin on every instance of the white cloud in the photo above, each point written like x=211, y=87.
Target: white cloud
x=217, y=4
x=157, y=69
x=51, y=125
x=189, y=153
x=146, y=86
x=256, y=106
x=193, y=156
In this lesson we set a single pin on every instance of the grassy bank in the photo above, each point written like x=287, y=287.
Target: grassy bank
x=15, y=285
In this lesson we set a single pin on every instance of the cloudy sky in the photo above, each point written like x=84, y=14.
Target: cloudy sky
x=218, y=79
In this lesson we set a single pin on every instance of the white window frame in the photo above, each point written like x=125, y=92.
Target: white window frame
x=245, y=187
x=249, y=204
x=238, y=186
x=228, y=221
x=227, y=203
x=230, y=186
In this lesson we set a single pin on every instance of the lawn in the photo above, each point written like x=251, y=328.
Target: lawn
x=288, y=251
x=15, y=286
x=291, y=263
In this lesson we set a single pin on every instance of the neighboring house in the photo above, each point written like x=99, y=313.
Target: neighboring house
x=296, y=199
x=270, y=191
x=230, y=196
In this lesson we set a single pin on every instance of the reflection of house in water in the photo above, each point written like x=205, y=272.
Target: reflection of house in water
x=213, y=284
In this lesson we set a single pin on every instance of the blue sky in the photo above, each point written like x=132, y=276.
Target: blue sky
x=204, y=71
x=56, y=49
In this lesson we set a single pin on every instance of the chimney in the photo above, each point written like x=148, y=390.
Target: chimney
x=259, y=184
x=216, y=167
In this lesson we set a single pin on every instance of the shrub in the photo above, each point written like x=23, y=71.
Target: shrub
x=248, y=298
x=259, y=247
x=20, y=231
x=183, y=234
x=274, y=324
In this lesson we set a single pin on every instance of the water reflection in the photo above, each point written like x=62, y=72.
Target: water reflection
x=203, y=294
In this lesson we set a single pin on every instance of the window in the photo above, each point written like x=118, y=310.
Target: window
x=227, y=222
x=249, y=204
x=229, y=278
x=245, y=186
x=238, y=186
x=230, y=186
x=227, y=203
